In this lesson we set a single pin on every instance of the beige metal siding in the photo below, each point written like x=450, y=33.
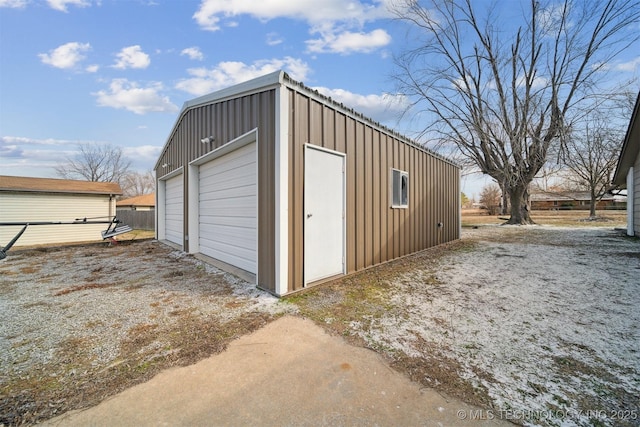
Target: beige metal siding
x=226, y=120
x=375, y=232
x=32, y=206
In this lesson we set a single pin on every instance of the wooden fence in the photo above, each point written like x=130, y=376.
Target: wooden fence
x=138, y=220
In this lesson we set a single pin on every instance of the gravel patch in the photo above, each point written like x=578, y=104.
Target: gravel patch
x=70, y=314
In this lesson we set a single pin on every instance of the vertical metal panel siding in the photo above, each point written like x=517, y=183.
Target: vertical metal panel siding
x=375, y=232
x=226, y=120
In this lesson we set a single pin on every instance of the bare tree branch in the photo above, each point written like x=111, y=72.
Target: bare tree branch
x=95, y=162
x=505, y=100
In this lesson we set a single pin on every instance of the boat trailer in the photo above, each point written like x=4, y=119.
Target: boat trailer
x=112, y=230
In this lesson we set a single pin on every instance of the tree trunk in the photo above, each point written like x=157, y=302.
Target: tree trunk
x=504, y=204
x=520, y=206
x=592, y=206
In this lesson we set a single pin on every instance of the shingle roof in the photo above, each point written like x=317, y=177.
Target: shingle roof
x=144, y=200
x=564, y=196
x=49, y=185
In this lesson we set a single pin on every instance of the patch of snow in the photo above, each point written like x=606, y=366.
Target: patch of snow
x=545, y=319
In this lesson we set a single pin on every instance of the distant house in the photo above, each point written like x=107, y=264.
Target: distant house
x=145, y=202
x=138, y=212
x=25, y=199
x=628, y=171
x=571, y=200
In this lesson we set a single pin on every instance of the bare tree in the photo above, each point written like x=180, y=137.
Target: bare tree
x=95, y=162
x=591, y=155
x=490, y=197
x=506, y=99
x=544, y=180
x=137, y=184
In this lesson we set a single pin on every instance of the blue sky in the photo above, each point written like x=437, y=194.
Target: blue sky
x=118, y=71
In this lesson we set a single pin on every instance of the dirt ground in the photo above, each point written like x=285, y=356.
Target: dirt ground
x=537, y=323
x=81, y=323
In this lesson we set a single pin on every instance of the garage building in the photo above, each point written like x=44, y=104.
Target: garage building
x=287, y=188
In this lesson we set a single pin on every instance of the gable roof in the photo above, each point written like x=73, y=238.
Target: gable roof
x=281, y=79
x=50, y=185
x=144, y=200
x=630, y=148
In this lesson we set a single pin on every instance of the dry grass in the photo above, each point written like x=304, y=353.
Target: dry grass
x=178, y=333
x=439, y=322
x=81, y=323
x=608, y=218
x=124, y=238
x=363, y=298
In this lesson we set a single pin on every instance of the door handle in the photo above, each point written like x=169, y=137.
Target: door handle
x=309, y=215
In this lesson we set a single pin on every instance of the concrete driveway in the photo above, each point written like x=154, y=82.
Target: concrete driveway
x=291, y=372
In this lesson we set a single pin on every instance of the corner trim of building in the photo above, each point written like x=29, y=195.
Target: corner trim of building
x=630, y=203
x=282, y=191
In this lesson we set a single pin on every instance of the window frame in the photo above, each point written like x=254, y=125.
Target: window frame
x=396, y=193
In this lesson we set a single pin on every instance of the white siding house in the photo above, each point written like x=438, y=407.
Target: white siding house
x=25, y=199
x=628, y=171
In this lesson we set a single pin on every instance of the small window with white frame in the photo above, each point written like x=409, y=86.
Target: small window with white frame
x=399, y=189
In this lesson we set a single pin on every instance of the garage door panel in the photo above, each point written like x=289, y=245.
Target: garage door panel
x=239, y=177
x=228, y=255
x=221, y=170
x=228, y=248
x=232, y=161
x=240, y=222
x=174, y=211
x=212, y=207
x=242, y=237
x=228, y=208
x=235, y=192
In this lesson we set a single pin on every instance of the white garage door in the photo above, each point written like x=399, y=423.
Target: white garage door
x=228, y=208
x=174, y=212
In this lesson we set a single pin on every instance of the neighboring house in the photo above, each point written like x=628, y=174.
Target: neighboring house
x=628, y=171
x=24, y=199
x=138, y=212
x=288, y=188
x=145, y=202
x=570, y=200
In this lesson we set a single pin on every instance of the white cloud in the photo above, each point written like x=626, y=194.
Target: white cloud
x=631, y=65
x=193, y=53
x=382, y=108
x=143, y=153
x=348, y=42
x=132, y=57
x=123, y=94
x=13, y=4
x=225, y=74
x=61, y=5
x=323, y=17
x=211, y=12
x=274, y=39
x=21, y=156
x=92, y=68
x=65, y=56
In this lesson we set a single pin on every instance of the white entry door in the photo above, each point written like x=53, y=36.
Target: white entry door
x=324, y=221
